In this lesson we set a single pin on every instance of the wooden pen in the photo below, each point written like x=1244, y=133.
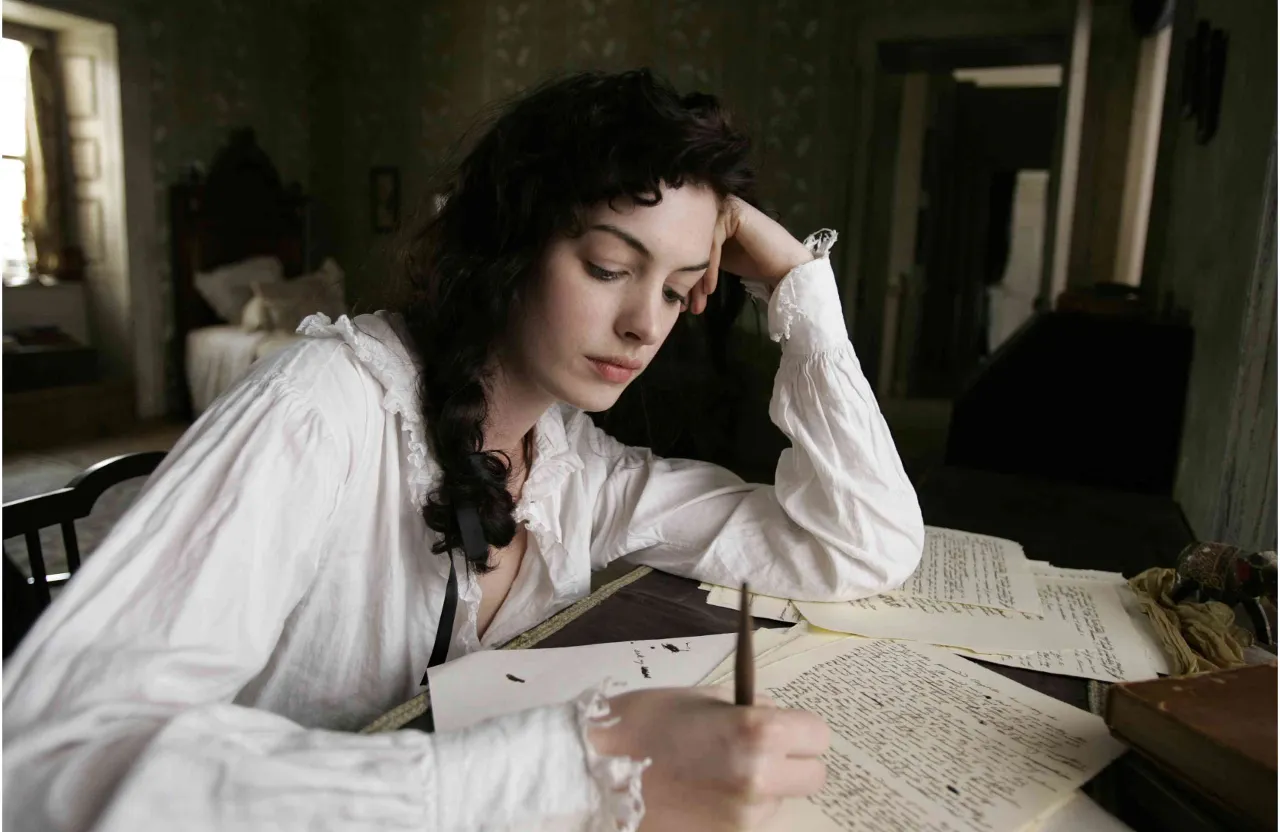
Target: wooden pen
x=744, y=668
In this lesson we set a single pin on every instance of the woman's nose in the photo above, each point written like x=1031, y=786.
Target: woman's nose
x=640, y=320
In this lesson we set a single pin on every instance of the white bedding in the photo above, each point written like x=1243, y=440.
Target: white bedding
x=219, y=356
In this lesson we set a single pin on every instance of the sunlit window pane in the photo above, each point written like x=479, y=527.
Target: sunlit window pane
x=13, y=143
x=13, y=188
x=13, y=97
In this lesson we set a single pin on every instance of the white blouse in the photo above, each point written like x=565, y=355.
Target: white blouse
x=273, y=588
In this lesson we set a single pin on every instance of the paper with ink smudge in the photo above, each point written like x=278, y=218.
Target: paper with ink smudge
x=496, y=682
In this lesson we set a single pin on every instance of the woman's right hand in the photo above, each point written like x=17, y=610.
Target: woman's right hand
x=716, y=766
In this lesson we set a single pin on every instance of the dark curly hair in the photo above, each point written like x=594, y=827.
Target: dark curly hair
x=550, y=155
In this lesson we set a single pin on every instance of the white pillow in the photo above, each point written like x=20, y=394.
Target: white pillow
x=254, y=318
x=228, y=288
x=287, y=302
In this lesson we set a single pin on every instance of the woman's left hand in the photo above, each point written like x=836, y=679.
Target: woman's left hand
x=751, y=245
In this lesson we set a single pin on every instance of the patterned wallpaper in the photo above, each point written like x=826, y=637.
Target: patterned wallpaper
x=470, y=57
x=786, y=68
x=224, y=64
x=333, y=88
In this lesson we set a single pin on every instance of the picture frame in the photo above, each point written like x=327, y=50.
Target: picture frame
x=384, y=198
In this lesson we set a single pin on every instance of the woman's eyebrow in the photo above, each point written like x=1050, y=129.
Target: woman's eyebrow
x=640, y=247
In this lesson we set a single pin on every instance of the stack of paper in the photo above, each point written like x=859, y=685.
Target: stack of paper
x=966, y=568
x=923, y=740
x=1102, y=608
x=762, y=606
x=980, y=596
x=920, y=739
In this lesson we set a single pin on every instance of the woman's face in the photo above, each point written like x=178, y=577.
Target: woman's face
x=605, y=301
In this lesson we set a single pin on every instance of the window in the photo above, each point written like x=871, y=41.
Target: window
x=16, y=245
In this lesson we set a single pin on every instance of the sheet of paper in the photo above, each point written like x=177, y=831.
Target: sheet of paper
x=495, y=682
x=762, y=606
x=923, y=740
x=966, y=568
x=777, y=645
x=982, y=629
x=1078, y=813
x=1042, y=568
x=1094, y=610
x=959, y=567
x=763, y=642
x=1145, y=630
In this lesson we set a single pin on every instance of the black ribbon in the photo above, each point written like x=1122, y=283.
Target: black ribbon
x=473, y=543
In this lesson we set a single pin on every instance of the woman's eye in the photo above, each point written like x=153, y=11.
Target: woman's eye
x=602, y=274
x=673, y=296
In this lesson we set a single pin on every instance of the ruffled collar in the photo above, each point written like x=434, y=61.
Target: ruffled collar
x=379, y=343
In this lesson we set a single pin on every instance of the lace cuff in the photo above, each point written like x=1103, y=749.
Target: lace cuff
x=534, y=770
x=617, y=779
x=804, y=308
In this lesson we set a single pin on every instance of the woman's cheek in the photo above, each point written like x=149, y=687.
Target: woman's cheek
x=590, y=307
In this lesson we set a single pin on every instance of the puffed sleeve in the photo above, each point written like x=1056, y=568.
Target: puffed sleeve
x=119, y=706
x=841, y=520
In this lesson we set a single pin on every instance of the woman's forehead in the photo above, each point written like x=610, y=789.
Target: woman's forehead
x=679, y=227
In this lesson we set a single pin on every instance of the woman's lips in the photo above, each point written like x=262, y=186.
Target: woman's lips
x=612, y=373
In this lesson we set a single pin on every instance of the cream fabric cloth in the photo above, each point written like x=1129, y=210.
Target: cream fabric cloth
x=274, y=586
x=1197, y=637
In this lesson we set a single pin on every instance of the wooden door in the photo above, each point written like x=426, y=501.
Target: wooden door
x=90, y=69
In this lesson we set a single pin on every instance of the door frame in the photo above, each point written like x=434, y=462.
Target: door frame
x=145, y=285
x=1038, y=34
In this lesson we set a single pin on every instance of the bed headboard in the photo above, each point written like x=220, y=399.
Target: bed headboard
x=240, y=209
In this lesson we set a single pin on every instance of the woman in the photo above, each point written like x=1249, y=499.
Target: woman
x=285, y=572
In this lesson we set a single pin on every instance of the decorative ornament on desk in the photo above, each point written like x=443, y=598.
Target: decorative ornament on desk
x=1219, y=572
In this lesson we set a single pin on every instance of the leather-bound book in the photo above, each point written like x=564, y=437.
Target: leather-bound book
x=1215, y=733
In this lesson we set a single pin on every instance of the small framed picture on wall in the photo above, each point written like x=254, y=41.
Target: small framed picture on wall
x=384, y=195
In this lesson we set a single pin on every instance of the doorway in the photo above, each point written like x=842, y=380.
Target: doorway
x=963, y=144
x=110, y=201
x=979, y=141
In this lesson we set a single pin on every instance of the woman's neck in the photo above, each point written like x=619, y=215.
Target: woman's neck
x=514, y=407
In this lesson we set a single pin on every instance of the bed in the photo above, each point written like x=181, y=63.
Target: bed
x=218, y=356
x=237, y=218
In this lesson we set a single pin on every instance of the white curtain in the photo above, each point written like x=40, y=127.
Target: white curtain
x=45, y=208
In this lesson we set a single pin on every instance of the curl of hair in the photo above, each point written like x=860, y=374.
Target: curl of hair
x=549, y=157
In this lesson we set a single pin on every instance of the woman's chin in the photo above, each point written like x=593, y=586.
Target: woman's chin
x=593, y=398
